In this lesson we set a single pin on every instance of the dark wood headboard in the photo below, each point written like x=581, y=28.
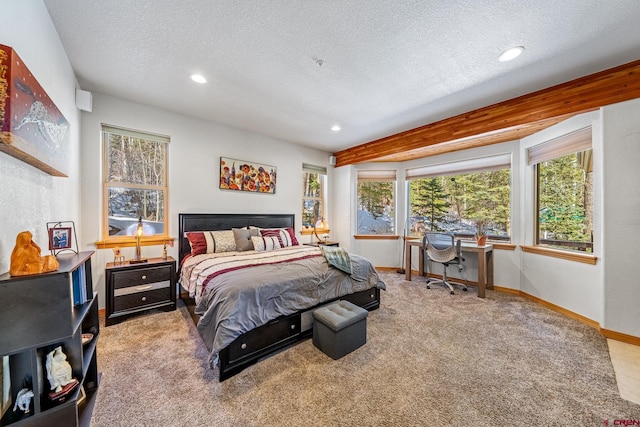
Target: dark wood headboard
x=212, y=222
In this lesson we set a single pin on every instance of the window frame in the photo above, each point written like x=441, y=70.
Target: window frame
x=321, y=171
x=569, y=143
x=381, y=175
x=109, y=241
x=479, y=164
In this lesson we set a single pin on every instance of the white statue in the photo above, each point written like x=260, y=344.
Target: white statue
x=23, y=400
x=58, y=369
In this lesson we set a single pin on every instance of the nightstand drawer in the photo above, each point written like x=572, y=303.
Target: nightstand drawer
x=125, y=279
x=141, y=299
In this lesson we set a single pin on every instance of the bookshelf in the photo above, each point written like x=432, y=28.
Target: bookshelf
x=39, y=313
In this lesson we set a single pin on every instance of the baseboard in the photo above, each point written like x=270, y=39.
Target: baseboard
x=618, y=336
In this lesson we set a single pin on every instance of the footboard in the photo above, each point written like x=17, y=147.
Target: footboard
x=261, y=342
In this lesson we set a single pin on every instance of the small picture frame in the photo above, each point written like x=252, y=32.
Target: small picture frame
x=59, y=238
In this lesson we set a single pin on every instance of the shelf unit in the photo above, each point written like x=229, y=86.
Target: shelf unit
x=39, y=313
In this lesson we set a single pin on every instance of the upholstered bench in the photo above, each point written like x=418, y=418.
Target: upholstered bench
x=339, y=328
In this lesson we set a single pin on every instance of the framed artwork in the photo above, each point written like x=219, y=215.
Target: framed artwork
x=241, y=175
x=32, y=128
x=59, y=238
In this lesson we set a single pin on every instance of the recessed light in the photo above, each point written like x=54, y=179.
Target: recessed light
x=511, y=53
x=198, y=78
x=336, y=128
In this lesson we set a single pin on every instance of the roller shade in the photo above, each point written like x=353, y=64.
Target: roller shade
x=376, y=175
x=135, y=134
x=320, y=170
x=480, y=164
x=573, y=142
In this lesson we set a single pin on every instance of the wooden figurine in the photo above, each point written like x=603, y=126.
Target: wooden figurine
x=26, y=258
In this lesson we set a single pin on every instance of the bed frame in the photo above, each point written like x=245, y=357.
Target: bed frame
x=261, y=342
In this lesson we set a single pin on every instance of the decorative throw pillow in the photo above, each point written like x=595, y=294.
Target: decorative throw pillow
x=208, y=242
x=201, y=242
x=225, y=241
x=243, y=238
x=286, y=236
x=265, y=243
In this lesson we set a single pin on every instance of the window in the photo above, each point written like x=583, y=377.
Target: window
x=314, y=180
x=564, y=174
x=376, y=205
x=461, y=197
x=135, y=182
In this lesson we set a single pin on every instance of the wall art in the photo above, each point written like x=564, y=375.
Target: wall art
x=241, y=175
x=32, y=128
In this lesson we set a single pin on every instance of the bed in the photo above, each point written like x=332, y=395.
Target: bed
x=238, y=334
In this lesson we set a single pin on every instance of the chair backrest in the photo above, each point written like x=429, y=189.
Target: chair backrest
x=440, y=247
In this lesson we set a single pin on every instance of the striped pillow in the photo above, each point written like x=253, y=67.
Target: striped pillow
x=274, y=238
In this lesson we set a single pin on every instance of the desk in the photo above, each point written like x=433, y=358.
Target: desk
x=485, y=262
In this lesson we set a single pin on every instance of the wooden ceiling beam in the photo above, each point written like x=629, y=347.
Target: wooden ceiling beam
x=504, y=121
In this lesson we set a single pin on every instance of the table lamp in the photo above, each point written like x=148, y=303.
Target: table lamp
x=321, y=224
x=139, y=234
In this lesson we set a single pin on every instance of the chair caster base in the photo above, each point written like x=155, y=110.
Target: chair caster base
x=464, y=289
x=428, y=287
x=451, y=293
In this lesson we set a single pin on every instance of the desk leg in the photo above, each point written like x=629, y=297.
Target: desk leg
x=407, y=262
x=482, y=264
x=489, y=263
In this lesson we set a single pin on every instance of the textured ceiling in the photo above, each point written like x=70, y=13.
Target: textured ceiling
x=389, y=65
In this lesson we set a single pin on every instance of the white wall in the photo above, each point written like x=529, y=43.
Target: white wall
x=572, y=285
x=194, y=163
x=621, y=212
x=29, y=198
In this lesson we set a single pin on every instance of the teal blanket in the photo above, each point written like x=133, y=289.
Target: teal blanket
x=337, y=257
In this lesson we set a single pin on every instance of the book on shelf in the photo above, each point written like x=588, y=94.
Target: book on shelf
x=79, y=286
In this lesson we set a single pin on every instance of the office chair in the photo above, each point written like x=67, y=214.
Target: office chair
x=440, y=248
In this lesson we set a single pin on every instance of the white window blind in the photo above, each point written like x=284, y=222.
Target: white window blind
x=135, y=134
x=573, y=142
x=321, y=170
x=376, y=175
x=480, y=164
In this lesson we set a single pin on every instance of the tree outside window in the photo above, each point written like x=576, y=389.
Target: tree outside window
x=564, y=191
x=565, y=208
x=135, y=182
x=376, y=202
x=313, y=193
x=459, y=203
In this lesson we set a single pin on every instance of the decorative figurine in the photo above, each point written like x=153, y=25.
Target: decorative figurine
x=58, y=369
x=23, y=400
x=26, y=258
x=117, y=255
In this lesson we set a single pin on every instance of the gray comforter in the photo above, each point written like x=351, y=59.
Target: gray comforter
x=232, y=299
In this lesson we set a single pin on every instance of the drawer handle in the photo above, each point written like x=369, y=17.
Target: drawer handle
x=144, y=277
x=144, y=298
x=293, y=327
x=144, y=288
x=244, y=345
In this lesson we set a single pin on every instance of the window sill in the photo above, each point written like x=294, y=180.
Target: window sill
x=557, y=253
x=129, y=241
x=376, y=237
x=309, y=231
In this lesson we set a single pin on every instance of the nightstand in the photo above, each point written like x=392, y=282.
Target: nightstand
x=327, y=243
x=136, y=288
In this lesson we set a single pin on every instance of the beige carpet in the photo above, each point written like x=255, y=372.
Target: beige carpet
x=431, y=359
